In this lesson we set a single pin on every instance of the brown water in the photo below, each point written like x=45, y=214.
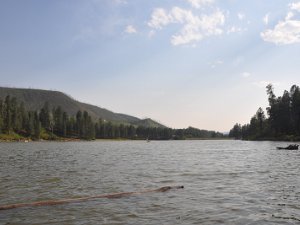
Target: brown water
x=226, y=182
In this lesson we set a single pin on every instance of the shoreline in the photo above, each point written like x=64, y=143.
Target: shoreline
x=107, y=139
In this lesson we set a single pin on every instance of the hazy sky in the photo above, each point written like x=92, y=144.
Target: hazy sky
x=201, y=63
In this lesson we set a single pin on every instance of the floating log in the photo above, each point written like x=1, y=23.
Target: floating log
x=75, y=200
x=290, y=147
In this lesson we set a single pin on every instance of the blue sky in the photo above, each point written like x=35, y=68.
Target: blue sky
x=201, y=63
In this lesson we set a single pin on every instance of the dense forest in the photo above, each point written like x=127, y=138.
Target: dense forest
x=281, y=123
x=34, y=99
x=52, y=124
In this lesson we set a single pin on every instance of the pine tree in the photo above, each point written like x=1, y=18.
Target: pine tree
x=79, y=124
x=131, y=131
x=23, y=116
x=89, y=127
x=7, y=115
x=1, y=115
x=30, y=124
x=295, y=108
x=71, y=127
x=14, y=114
x=64, y=124
x=45, y=116
x=37, y=126
x=58, y=117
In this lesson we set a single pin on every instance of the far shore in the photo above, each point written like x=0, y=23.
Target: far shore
x=100, y=140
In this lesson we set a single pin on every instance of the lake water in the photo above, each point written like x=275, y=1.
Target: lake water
x=226, y=182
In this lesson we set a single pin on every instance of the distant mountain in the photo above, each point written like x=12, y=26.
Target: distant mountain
x=34, y=99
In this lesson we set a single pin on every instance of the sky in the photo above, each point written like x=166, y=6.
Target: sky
x=200, y=63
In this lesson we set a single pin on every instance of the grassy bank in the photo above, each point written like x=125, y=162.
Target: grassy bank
x=11, y=137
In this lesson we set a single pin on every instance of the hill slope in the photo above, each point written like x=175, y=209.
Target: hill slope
x=34, y=99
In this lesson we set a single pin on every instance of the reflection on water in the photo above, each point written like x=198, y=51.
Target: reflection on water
x=226, y=182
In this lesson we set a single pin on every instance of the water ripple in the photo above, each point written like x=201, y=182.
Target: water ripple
x=226, y=182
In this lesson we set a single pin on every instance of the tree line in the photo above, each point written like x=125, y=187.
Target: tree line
x=281, y=123
x=52, y=123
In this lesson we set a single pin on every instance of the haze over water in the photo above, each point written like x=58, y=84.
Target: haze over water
x=226, y=182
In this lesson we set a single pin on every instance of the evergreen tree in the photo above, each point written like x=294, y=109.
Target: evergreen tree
x=79, y=124
x=257, y=125
x=283, y=117
x=37, y=126
x=85, y=126
x=123, y=131
x=45, y=116
x=1, y=115
x=14, y=114
x=109, y=130
x=23, y=116
x=295, y=108
x=58, y=118
x=30, y=124
x=7, y=115
x=64, y=124
x=71, y=127
x=97, y=130
x=88, y=127
x=104, y=130
x=236, y=131
x=284, y=113
x=260, y=117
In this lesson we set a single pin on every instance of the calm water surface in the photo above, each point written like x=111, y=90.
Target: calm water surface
x=226, y=182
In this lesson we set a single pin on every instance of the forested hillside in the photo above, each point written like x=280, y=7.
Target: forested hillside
x=52, y=122
x=34, y=99
x=282, y=121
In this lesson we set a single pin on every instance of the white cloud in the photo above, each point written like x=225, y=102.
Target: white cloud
x=285, y=32
x=130, y=29
x=295, y=6
x=194, y=28
x=266, y=19
x=200, y=3
x=241, y=16
x=246, y=74
x=159, y=18
x=289, y=16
